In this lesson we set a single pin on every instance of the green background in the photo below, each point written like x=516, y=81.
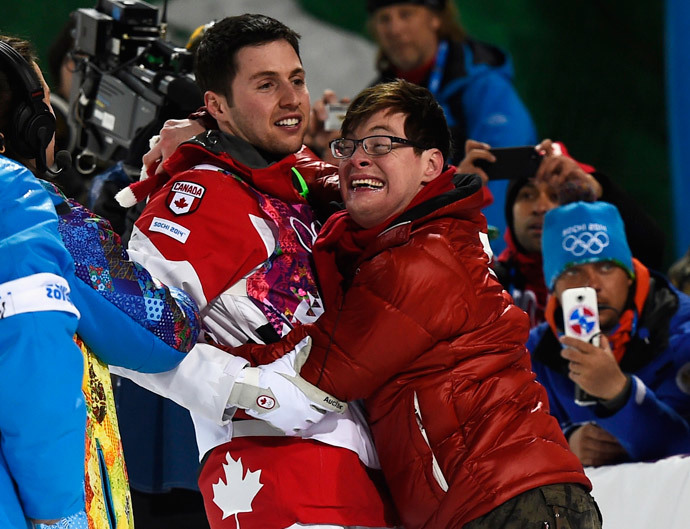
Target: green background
x=591, y=73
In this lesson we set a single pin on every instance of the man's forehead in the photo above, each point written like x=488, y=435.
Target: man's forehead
x=384, y=120
x=257, y=57
x=538, y=183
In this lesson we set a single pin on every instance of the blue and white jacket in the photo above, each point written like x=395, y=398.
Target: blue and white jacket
x=654, y=421
x=42, y=410
x=65, y=271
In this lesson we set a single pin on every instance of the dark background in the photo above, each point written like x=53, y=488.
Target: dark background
x=591, y=73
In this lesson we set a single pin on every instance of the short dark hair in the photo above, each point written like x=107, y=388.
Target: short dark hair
x=215, y=60
x=425, y=123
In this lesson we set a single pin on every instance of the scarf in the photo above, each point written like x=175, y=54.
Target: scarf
x=341, y=240
x=529, y=267
x=627, y=323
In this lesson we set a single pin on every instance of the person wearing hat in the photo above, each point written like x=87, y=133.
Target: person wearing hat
x=422, y=41
x=528, y=199
x=639, y=374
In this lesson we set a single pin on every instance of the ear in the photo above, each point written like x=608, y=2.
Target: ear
x=433, y=164
x=435, y=22
x=216, y=104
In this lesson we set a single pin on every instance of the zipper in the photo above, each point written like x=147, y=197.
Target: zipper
x=105, y=487
x=435, y=467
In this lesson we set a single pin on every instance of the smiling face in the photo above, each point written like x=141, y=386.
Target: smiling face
x=267, y=103
x=532, y=202
x=407, y=34
x=376, y=188
x=611, y=283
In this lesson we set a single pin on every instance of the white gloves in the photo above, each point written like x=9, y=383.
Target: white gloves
x=277, y=394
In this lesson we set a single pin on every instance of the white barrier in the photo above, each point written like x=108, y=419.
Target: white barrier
x=644, y=495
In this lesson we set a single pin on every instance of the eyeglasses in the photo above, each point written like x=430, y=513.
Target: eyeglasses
x=373, y=145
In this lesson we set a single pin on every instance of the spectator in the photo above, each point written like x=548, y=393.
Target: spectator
x=416, y=325
x=423, y=42
x=519, y=266
x=233, y=226
x=125, y=316
x=639, y=372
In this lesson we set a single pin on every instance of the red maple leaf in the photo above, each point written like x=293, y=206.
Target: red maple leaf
x=180, y=203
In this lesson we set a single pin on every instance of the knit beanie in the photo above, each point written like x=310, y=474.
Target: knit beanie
x=583, y=232
x=373, y=5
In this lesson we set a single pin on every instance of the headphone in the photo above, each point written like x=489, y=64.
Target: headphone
x=33, y=125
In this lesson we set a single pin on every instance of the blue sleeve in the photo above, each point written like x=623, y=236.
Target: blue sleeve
x=128, y=318
x=654, y=421
x=42, y=411
x=647, y=427
x=495, y=113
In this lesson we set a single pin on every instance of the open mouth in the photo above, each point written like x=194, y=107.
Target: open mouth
x=288, y=122
x=366, y=183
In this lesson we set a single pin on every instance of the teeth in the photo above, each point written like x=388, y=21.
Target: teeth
x=287, y=122
x=367, y=182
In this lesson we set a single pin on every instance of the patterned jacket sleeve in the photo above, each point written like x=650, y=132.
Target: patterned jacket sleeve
x=129, y=319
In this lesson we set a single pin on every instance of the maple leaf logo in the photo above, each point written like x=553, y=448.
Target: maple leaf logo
x=181, y=202
x=236, y=494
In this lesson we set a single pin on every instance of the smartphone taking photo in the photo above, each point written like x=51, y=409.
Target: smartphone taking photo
x=512, y=163
x=335, y=114
x=581, y=320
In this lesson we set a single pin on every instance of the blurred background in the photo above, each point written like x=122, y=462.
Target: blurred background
x=606, y=78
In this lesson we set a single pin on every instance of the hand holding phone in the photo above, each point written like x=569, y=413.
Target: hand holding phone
x=511, y=163
x=581, y=320
x=335, y=114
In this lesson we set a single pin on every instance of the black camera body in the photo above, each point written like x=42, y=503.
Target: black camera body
x=128, y=80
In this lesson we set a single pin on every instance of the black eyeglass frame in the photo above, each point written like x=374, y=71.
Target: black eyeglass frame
x=357, y=143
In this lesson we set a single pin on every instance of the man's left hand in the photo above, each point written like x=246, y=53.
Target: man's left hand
x=275, y=393
x=593, y=368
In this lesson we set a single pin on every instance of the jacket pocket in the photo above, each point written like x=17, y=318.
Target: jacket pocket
x=105, y=488
x=435, y=467
x=572, y=506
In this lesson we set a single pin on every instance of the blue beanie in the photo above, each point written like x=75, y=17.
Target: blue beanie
x=583, y=232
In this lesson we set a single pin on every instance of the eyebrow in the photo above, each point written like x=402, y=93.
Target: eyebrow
x=379, y=129
x=272, y=73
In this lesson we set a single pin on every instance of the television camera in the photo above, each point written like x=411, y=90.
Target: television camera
x=127, y=81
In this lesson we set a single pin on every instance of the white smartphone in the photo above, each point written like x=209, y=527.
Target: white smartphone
x=335, y=116
x=581, y=320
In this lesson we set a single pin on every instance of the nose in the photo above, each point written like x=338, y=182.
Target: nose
x=359, y=157
x=289, y=97
x=592, y=279
x=544, y=203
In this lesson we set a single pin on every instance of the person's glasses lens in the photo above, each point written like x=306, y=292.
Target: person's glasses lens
x=377, y=145
x=342, y=148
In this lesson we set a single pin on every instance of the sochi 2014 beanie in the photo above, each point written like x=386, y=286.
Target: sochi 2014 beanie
x=373, y=5
x=583, y=232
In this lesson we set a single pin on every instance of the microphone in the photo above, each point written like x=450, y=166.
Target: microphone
x=63, y=160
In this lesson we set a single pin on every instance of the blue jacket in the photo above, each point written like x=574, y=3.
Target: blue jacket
x=480, y=103
x=127, y=319
x=654, y=421
x=42, y=411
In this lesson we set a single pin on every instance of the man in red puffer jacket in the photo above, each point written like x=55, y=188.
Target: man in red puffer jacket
x=417, y=326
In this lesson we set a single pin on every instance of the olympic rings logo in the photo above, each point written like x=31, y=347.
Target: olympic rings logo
x=587, y=242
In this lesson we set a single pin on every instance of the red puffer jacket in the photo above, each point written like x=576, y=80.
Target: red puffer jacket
x=425, y=334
